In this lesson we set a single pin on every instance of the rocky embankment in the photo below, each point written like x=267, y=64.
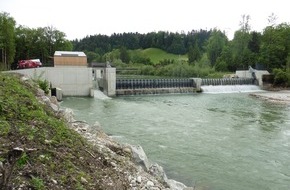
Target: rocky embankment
x=43, y=147
x=142, y=175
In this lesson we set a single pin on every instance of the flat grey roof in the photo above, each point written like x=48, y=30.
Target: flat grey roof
x=70, y=53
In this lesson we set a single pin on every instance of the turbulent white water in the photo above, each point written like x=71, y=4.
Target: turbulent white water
x=230, y=89
x=100, y=95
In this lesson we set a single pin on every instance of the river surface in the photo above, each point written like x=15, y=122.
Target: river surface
x=211, y=141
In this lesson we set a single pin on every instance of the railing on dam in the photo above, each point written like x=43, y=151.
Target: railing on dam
x=153, y=83
x=228, y=81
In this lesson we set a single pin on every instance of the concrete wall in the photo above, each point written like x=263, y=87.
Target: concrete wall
x=244, y=74
x=248, y=74
x=197, y=83
x=73, y=81
x=110, y=81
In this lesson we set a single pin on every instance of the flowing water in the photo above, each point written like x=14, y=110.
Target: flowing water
x=223, y=141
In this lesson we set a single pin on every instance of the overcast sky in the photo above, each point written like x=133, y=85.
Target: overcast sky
x=88, y=17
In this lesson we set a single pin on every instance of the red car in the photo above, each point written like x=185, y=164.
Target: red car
x=32, y=63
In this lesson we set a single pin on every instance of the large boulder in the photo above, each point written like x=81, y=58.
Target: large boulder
x=140, y=157
x=158, y=172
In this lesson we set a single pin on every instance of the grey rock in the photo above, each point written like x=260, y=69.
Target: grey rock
x=139, y=179
x=175, y=185
x=83, y=180
x=149, y=184
x=140, y=157
x=158, y=172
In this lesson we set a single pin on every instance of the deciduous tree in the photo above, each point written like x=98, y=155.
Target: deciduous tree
x=215, y=45
x=7, y=40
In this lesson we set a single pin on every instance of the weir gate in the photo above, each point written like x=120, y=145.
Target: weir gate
x=228, y=81
x=159, y=86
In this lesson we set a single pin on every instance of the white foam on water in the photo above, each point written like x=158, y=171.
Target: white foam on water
x=230, y=89
x=100, y=95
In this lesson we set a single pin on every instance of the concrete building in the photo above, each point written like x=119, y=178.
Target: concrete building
x=71, y=80
x=70, y=58
x=252, y=73
x=71, y=75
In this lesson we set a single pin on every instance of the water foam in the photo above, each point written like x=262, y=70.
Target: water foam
x=230, y=89
x=100, y=95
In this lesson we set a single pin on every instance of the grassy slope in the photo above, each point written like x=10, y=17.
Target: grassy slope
x=157, y=55
x=53, y=156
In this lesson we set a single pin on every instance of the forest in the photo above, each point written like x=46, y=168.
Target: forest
x=207, y=52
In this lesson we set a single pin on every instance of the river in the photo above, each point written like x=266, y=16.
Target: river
x=221, y=141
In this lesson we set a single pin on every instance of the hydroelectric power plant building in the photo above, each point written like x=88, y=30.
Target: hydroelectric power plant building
x=70, y=58
x=71, y=76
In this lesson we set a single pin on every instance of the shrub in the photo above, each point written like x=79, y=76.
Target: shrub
x=281, y=78
x=44, y=85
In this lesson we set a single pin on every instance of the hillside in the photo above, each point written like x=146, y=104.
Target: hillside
x=157, y=55
x=39, y=149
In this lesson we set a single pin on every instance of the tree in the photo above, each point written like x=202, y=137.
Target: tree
x=124, y=55
x=241, y=53
x=177, y=45
x=7, y=40
x=272, y=19
x=194, y=53
x=275, y=46
x=215, y=45
x=55, y=40
x=244, y=24
x=225, y=60
x=40, y=43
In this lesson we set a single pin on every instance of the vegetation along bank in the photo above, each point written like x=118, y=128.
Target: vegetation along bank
x=43, y=147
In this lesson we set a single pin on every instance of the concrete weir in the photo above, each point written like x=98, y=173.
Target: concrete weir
x=156, y=86
x=83, y=81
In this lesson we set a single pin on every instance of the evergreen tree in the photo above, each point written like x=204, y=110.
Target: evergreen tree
x=194, y=53
x=124, y=55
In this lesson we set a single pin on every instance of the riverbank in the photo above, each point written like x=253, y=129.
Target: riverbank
x=282, y=96
x=44, y=147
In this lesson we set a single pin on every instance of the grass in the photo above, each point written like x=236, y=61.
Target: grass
x=157, y=55
x=37, y=148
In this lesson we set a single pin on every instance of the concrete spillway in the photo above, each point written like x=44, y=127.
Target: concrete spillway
x=153, y=83
x=159, y=86
x=154, y=86
x=227, y=81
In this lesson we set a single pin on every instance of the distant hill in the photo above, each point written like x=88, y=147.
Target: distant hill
x=157, y=55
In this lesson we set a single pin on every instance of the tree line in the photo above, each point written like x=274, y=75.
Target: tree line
x=270, y=48
x=176, y=43
x=20, y=42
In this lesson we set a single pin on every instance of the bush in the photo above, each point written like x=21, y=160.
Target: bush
x=147, y=70
x=281, y=77
x=44, y=85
